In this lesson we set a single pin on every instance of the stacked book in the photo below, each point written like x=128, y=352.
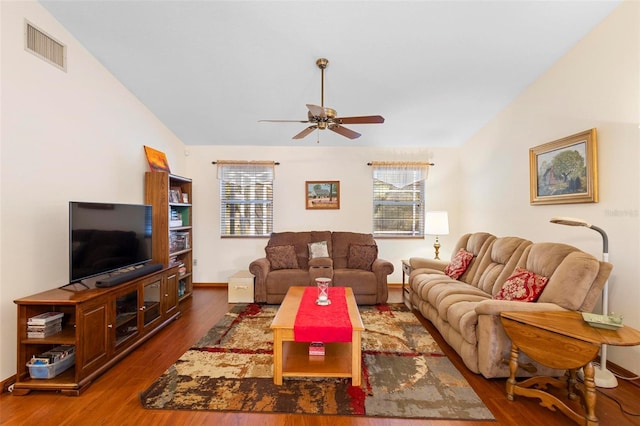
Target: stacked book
x=175, y=218
x=44, y=325
x=316, y=349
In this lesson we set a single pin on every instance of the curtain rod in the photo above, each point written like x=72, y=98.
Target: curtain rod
x=400, y=163
x=275, y=163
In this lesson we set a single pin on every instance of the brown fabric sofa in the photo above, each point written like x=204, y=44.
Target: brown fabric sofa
x=465, y=312
x=352, y=262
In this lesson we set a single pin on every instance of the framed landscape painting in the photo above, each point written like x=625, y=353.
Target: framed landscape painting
x=565, y=171
x=319, y=194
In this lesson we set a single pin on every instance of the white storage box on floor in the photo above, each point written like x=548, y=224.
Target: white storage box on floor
x=240, y=287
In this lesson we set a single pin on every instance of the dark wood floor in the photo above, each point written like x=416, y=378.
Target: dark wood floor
x=113, y=398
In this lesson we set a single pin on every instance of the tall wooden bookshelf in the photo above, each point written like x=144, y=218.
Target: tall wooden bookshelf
x=171, y=198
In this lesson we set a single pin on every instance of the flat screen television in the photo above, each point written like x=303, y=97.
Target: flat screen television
x=107, y=237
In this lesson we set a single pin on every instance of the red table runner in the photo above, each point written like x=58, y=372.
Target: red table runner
x=315, y=323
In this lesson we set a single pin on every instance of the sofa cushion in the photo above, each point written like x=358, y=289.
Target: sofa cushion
x=459, y=264
x=522, y=285
x=318, y=249
x=478, y=244
x=282, y=257
x=362, y=282
x=300, y=241
x=340, y=242
x=499, y=262
x=362, y=256
x=580, y=269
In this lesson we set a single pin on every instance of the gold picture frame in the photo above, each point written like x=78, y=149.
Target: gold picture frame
x=322, y=194
x=565, y=171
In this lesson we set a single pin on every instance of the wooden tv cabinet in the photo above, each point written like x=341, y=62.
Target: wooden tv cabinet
x=104, y=324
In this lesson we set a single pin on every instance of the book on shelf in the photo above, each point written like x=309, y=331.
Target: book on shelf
x=182, y=270
x=44, y=318
x=54, y=355
x=316, y=349
x=35, y=333
x=47, y=326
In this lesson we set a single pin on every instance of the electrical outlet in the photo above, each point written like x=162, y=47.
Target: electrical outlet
x=195, y=262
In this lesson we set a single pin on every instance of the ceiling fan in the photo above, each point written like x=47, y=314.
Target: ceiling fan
x=322, y=118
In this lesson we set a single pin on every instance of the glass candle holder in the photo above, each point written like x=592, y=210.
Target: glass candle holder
x=323, y=291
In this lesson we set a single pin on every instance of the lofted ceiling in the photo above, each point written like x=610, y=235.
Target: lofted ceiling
x=436, y=70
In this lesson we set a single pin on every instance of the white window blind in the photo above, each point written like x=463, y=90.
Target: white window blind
x=246, y=199
x=398, y=199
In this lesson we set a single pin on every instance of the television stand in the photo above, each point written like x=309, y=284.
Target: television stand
x=105, y=325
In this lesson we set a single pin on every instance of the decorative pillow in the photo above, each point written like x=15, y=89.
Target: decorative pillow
x=362, y=256
x=282, y=257
x=522, y=285
x=459, y=264
x=318, y=249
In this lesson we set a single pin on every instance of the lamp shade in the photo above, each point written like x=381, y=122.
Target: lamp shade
x=436, y=223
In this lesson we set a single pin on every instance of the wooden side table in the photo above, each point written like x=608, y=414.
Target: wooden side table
x=561, y=340
x=406, y=291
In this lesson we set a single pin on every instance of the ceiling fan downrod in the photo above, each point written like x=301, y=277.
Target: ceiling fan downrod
x=322, y=64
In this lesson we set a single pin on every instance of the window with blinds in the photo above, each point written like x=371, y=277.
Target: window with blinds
x=246, y=200
x=398, y=201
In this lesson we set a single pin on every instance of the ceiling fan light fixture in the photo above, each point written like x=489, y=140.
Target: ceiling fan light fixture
x=323, y=118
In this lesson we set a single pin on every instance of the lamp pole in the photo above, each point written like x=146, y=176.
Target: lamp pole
x=603, y=377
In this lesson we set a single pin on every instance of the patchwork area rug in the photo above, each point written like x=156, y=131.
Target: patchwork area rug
x=405, y=373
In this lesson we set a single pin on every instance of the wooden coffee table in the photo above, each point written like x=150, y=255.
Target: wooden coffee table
x=561, y=340
x=291, y=359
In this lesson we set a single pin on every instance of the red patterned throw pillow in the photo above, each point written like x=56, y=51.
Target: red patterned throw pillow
x=459, y=264
x=362, y=256
x=522, y=285
x=282, y=257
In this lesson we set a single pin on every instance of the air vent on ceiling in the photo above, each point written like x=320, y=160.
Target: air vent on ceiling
x=44, y=46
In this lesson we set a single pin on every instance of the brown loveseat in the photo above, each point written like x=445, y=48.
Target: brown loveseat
x=350, y=259
x=466, y=310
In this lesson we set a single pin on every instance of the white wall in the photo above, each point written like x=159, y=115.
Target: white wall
x=595, y=85
x=77, y=135
x=218, y=258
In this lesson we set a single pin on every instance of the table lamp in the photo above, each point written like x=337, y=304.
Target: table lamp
x=603, y=377
x=436, y=223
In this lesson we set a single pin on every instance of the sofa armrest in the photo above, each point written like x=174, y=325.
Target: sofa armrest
x=424, y=263
x=260, y=268
x=495, y=307
x=382, y=268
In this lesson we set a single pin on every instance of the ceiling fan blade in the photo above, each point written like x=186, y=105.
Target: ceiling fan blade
x=365, y=119
x=317, y=111
x=283, y=121
x=305, y=132
x=345, y=132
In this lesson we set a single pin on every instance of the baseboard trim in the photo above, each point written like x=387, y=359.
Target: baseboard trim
x=390, y=285
x=621, y=373
x=7, y=383
x=211, y=284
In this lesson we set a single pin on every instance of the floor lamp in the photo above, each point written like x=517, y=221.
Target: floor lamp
x=436, y=223
x=603, y=377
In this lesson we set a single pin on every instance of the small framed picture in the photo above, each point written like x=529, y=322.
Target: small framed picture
x=185, y=198
x=322, y=194
x=175, y=195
